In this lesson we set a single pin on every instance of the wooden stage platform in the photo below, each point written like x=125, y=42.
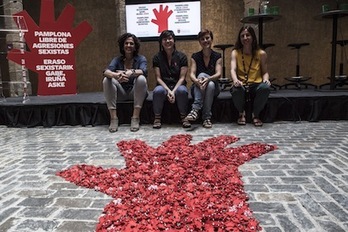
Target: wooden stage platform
x=90, y=109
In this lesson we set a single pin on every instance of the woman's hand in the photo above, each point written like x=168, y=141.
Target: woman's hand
x=171, y=96
x=267, y=82
x=121, y=77
x=129, y=72
x=237, y=83
x=203, y=83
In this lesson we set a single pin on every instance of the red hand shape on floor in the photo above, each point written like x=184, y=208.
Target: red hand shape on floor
x=162, y=18
x=176, y=186
x=52, y=43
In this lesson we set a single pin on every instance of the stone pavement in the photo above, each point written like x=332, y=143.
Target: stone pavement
x=302, y=186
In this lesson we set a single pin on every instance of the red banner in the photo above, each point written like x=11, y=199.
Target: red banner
x=52, y=47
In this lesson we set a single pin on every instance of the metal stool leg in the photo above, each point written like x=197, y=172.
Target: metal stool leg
x=298, y=81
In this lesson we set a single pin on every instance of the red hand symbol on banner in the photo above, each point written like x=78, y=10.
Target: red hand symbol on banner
x=162, y=18
x=52, y=47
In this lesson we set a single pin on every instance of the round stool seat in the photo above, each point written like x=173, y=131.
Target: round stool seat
x=342, y=42
x=267, y=45
x=223, y=46
x=340, y=77
x=297, y=45
x=297, y=79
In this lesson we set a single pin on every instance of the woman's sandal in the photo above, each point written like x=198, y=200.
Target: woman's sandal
x=207, y=124
x=257, y=122
x=157, y=123
x=193, y=115
x=241, y=120
x=135, y=124
x=113, y=125
x=185, y=122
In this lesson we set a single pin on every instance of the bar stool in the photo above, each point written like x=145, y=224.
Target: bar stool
x=341, y=79
x=224, y=81
x=273, y=86
x=298, y=80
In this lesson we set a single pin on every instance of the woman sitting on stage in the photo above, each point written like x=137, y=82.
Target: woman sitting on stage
x=205, y=72
x=125, y=79
x=170, y=67
x=249, y=75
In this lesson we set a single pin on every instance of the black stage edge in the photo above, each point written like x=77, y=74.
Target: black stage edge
x=90, y=109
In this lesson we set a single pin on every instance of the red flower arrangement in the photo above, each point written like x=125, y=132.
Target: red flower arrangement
x=174, y=187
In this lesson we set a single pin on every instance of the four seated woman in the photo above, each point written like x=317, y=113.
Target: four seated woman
x=125, y=78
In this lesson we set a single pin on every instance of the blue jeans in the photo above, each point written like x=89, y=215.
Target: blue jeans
x=160, y=96
x=204, y=98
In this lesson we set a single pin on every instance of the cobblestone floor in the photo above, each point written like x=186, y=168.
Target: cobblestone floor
x=302, y=186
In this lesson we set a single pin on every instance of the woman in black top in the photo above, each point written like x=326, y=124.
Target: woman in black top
x=205, y=72
x=170, y=67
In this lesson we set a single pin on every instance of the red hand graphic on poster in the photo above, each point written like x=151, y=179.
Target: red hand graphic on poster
x=162, y=18
x=52, y=47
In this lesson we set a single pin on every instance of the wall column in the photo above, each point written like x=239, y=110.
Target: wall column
x=121, y=17
x=14, y=85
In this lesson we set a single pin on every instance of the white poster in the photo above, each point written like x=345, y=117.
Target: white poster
x=149, y=20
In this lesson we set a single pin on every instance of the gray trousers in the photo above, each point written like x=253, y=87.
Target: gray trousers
x=259, y=94
x=114, y=92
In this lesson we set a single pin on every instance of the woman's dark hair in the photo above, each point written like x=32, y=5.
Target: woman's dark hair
x=123, y=38
x=165, y=34
x=254, y=45
x=205, y=32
